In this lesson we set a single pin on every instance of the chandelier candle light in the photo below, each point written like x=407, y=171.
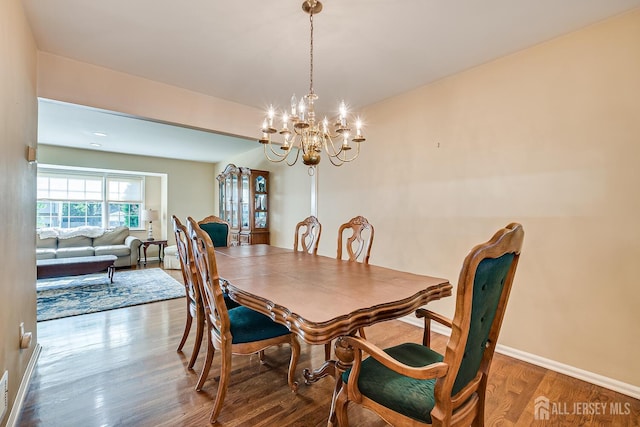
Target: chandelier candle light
x=303, y=132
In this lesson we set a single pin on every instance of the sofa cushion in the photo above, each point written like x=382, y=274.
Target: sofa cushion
x=117, y=250
x=112, y=237
x=74, y=242
x=45, y=253
x=46, y=243
x=73, y=252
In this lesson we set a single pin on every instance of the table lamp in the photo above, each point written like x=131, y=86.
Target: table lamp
x=150, y=215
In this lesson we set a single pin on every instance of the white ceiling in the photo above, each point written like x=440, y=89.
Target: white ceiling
x=256, y=52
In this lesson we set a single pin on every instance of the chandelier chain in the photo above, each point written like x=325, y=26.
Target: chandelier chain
x=311, y=56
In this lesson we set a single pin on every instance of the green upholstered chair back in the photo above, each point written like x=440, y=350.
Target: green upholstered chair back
x=217, y=229
x=217, y=232
x=487, y=290
x=483, y=290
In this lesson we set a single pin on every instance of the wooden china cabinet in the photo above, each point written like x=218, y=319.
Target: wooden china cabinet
x=244, y=204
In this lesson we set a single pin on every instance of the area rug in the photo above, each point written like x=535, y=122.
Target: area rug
x=74, y=295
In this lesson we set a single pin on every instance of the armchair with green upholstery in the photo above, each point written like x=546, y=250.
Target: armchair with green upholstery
x=412, y=385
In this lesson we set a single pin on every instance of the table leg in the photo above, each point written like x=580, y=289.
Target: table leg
x=327, y=368
x=345, y=355
x=145, y=254
x=110, y=272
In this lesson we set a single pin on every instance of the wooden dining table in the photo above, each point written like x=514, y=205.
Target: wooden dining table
x=321, y=298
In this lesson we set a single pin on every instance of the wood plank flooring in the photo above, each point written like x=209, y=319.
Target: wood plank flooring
x=121, y=368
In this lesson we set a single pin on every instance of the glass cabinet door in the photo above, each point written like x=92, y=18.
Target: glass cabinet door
x=234, y=199
x=260, y=202
x=229, y=200
x=244, y=202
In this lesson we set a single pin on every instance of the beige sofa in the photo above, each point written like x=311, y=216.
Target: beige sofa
x=88, y=241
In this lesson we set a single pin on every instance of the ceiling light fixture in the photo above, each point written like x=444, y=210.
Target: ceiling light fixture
x=100, y=134
x=303, y=132
x=95, y=144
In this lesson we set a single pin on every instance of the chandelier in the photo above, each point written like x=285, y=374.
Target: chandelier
x=302, y=131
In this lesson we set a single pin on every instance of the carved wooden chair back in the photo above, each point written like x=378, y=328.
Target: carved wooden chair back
x=307, y=235
x=461, y=375
x=359, y=243
x=218, y=230
x=195, y=308
x=239, y=330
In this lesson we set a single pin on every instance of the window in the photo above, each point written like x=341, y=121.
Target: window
x=67, y=199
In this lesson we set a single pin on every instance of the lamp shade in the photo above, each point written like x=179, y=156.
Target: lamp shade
x=150, y=215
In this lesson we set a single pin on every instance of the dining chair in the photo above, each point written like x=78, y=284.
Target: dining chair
x=411, y=384
x=358, y=249
x=239, y=330
x=218, y=229
x=358, y=244
x=307, y=235
x=194, y=300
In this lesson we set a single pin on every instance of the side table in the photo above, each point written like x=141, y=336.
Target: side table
x=161, y=245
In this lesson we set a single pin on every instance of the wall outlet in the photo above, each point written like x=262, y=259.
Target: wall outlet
x=4, y=394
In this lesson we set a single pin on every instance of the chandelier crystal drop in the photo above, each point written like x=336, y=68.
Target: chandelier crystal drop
x=303, y=132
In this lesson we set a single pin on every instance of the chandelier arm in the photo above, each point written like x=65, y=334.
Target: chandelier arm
x=332, y=160
x=346, y=160
x=279, y=158
x=333, y=152
x=296, y=159
x=282, y=156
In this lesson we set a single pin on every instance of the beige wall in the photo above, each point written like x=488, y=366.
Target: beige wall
x=63, y=79
x=190, y=188
x=549, y=137
x=18, y=128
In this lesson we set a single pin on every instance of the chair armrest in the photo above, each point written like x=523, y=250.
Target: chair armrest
x=434, y=370
x=428, y=316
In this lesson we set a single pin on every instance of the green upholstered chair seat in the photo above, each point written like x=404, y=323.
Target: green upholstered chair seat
x=248, y=325
x=408, y=396
x=217, y=232
x=229, y=302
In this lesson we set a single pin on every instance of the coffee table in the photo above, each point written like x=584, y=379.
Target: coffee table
x=76, y=266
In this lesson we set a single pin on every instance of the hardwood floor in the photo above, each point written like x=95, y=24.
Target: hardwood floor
x=120, y=368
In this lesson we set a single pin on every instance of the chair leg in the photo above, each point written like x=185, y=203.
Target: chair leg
x=207, y=363
x=361, y=332
x=261, y=356
x=341, y=408
x=225, y=374
x=187, y=328
x=295, y=354
x=198, y=341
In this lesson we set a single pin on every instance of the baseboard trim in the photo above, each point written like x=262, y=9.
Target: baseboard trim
x=572, y=371
x=24, y=387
